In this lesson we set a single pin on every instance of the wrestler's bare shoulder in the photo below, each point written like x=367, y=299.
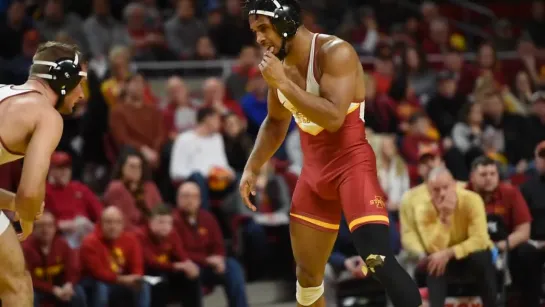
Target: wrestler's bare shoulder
x=331, y=43
x=30, y=107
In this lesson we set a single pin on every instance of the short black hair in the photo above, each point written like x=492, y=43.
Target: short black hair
x=161, y=209
x=482, y=161
x=204, y=113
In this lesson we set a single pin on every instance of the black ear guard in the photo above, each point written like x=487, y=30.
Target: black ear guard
x=63, y=75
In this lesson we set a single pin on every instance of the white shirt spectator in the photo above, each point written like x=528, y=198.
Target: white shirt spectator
x=192, y=153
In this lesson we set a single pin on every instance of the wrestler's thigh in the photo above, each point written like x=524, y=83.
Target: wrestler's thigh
x=362, y=199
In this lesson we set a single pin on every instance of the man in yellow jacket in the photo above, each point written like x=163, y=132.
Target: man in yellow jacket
x=445, y=226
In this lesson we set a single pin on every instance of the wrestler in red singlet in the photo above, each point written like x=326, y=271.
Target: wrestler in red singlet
x=318, y=80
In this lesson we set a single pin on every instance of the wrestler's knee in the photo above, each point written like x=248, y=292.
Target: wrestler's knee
x=310, y=285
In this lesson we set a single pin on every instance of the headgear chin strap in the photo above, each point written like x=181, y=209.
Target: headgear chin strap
x=63, y=76
x=285, y=18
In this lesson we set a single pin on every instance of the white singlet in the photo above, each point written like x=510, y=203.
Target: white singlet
x=6, y=155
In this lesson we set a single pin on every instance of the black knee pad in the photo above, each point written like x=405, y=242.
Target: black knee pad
x=373, y=244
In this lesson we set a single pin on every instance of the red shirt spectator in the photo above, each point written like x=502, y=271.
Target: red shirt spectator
x=67, y=202
x=507, y=201
x=161, y=254
x=180, y=114
x=134, y=205
x=202, y=239
x=105, y=258
x=54, y=268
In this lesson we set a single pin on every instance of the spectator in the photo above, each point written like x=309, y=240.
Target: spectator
x=416, y=137
x=213, y=90
x=165, y=256
x=205, y=50
x=383, y=72
x=238, y=144
x=532, y=256
x=180, y=114
x=113, y=264
x=444, y=108
x=201, y=236
x=254, y=103
x=137, y=124
x=531, y=62
x=53, y=266
x=508, y=217
x=55, y=19
x=233, y=21
x=343, y=264
x=16, y=70
x=415, y=67
x=392, y=172
x=537, y=23
x=468, y=132
x=365, y=34
x=439, y=37
x=523, y=89
x=103, y=31
x=148, y=41
x=14, y=25
x=237, y=82
x=131, y=189
x=183, y=30
x=504, y=38
x=463, y=72
x=199, y=155
x=487, y=63
x=447, y=230
x=75, y=207
x=536, y=122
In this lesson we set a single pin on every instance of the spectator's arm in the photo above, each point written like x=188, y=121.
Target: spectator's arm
x=175, y=42
x=154, y=194
x=522, y=219
x=91, y=260
x=161, y=133
x=410, y=238
x=370, y=42
x=179, y=166
x=179, y=249
x=93, y=38
x=119, y=131
x=478, y=238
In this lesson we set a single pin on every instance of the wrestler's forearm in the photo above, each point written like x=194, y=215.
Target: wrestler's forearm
x=7, y=200
x=271, y=135
x=317, y=109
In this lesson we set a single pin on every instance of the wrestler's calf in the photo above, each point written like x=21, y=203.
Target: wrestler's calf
x=373, y=244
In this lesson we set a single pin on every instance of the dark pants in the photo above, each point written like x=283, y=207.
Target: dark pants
x=178, y=288
x=480, y=265
x=102, y=294
x=255, y=250
x=526, y=267
x=232, y=280
x=78, y=300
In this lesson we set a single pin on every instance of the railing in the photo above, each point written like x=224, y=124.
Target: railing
x=226, y=65
x=476, y=8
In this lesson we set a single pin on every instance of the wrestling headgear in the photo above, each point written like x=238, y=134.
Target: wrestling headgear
x=285, y=17
x=63, y=76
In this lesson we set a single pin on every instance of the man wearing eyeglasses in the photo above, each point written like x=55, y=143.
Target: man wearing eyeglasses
x=533, y=254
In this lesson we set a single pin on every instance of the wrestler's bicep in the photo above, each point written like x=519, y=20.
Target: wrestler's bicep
x=276, y=110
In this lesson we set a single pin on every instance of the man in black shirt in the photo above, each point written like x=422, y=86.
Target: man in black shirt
x=533, y=254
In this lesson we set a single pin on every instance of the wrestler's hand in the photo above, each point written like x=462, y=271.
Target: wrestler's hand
x=247, y=186
x=272, y=70
x=26, y=229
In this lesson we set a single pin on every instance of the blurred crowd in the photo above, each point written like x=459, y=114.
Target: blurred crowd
x=145, y=184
